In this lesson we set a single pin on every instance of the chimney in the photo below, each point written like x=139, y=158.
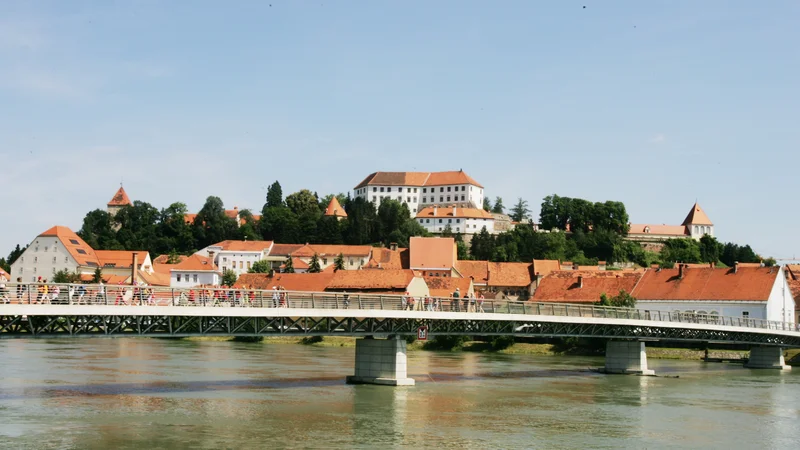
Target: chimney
x=538, y=279
x=435, y=210
x=211, y=254
x=681, y=268
x=393, y=246
x=713, y=264
x=134, y=265
x=454, y=210
x=575, y=267
x=580, y=281
x=735, y=266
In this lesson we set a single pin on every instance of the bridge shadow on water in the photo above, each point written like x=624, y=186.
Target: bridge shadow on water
x=178, y=387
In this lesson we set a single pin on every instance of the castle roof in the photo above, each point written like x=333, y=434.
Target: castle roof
x=697, y=217
x=417, y=179
x=335, y=208
x=120, y=198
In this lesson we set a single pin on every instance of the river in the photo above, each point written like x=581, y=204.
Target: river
x=150, y=393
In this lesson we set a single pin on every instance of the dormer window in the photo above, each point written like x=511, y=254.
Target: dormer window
x=646, y=229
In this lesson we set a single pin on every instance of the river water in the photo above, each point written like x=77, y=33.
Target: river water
x=149, y=393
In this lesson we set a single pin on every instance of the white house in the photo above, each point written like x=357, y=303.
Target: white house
x=742, y=291
x=420, y=189
x=58, y=248
x=696, y=225
x=238, y=256
x=435, y=219
x=195, y=270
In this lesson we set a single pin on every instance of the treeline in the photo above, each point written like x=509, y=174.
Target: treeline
x=572, y=230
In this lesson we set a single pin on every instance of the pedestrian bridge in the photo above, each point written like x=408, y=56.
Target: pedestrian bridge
x=383, y=320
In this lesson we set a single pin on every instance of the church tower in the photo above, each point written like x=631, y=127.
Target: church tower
x=697, y=223
x=117, y=202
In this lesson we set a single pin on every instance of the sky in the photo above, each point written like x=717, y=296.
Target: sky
x=655, y=104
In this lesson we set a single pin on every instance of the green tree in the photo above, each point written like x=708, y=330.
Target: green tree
x=498, y=207
x=303, y=202
x=288, y=266
x=520, y=211
x=15, y=254
x=313, y=266
x=173, y=258
x=97, y=277
x=229, y=277
x=173, y=233
x=448, y=231
x=98, y=230
x=362, y=226
x=709, y=249
x=483, y=245
x=462, y=249
x=770, y=262
x=279, y=224
x=329, y=230
x=621, y=300
x=5, y=265
x=274, y=196
x=260, y=267
x=681, y=250
x=212, y=225
x=248, y=229
x=487, y=204
x=66, y=277
x=338, y=263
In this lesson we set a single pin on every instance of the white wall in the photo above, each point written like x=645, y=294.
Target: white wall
x=422, y=196
x=239, y=262
x=780, y=305
x=188, y=279
x=756, y=310
x=44, y=257
x=457, y=224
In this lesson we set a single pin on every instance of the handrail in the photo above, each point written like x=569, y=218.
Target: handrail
x=127, y=295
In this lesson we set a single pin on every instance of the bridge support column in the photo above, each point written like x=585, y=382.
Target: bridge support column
x=627, y=357
x=767, y=358
x=381, y=361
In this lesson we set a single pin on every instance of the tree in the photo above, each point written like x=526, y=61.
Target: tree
x=97, y=277
x=65, y=277
x=229, y=277
x=260, y=267
x=448, y=231
x=98, y=230
x=173, y=233
x=770, y=262
x=288, y=266
x=709, y=249
x=621, y=300
x=487, y=204
x=173, y=258
x=15, y=254
x=681, y=250
x=313, y=266
x=212, y=225
x=362, y=222
x=303, y=202
x=329, y=230
x=274, y=196
x=483, y=245
x=520, y=211
x=462, y=250
x=498, y=207
x=279, y=224
x=338, y=263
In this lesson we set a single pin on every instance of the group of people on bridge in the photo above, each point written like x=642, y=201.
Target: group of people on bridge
x=456, y=303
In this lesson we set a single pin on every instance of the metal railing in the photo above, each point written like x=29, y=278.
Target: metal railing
x=125, y=295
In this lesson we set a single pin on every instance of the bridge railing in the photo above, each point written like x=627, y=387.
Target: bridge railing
x=126, y=295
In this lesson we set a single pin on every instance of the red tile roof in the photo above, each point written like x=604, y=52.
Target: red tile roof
x=298, y=264
x=189, y=218
x=155, y=279
x=162, y=259
x=244, y=246
x=303, y=282
x=388, y=280
x=445, y=286
x=384, y=258
x=454, y=212
x=477, y=270
x=660, y=230
x=697, y=217
x=417, y=179
x=120, y=198
x=432, y=253
x=5, y=274
x=794, y=287
x=120, y=258
x=565, y=287
x=509, y=274
x=747, y=283
x=324, y=250
x=545, y=267
x=793, y=270
x=284, y=249
x=196, y=263
x=335, y=208
x=77, y=248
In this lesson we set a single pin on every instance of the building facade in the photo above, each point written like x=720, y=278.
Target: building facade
x=420, y=189
x=695, y=226
x=436, y=219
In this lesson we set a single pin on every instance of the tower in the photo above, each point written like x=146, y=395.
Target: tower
x=697, y=223
x=117, y=202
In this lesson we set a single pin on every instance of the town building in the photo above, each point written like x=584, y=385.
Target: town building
x=395, y=282
x=194, y=271
x=420, y=189
x=436, y=219
x=4, y=276
x=696, y=225
x=118, y=201
x=297, y=282
x=335, y=209
x=238, y=256
x=433, y=256
x=446, y=287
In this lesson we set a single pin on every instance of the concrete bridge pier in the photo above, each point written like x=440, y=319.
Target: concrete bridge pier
x=767, y=358
x=626, y=357
x=381, y=361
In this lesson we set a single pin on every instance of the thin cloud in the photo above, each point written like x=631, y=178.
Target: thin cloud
x=658, y=139
x=43, y=83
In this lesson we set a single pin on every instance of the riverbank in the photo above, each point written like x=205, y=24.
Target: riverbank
x=519, y=348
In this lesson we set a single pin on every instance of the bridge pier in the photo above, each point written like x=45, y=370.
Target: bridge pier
x=381, y=361
x=767, y=358
x=626, y=357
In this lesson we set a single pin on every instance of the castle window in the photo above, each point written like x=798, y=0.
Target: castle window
x=399, y=189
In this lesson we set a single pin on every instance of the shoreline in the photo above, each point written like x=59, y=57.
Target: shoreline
x=519, y=348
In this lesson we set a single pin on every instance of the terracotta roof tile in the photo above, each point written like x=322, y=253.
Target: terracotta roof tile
x=564, y=286
x=155, y=279
x=794, y=286
x=445, y=286
x=793, y=270
x=453, y=212
x=120, y=258
x=162, y=259
x=748, y=283
x=509, y=274
x=324, y=250
x=660, y=230
x=477, y=270
x=545, y=267
x=120, y=198
x=335, y=208
x=452, y=177
x=244, y=246
x=284, y=249
x=432, y=253
x=5, y=274
x=302, y=282
x=697, y=217
x=390, y=280
x=77, y=248
x=417, y=179
x=384, y=258
x=196, y=263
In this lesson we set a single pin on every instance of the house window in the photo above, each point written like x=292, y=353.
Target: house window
x=441, y=198
x=54, y=259
x=449, y=220
x=448, y=198
x=74, y=242
x=399, y=189
x=374, y=189
x=458, y=220
x=374, y=199
x=462, y=198
x=195, y=278
x=224, y=260
x=415, y=190
x=399, y=198
x=248, y=265
x=745, y=314
x=54, y=270
x=424, y=199
x=440, y=220
x=324, y=261
x=388, y=189
x=351, y=261
x=381, y=189
x=35, y=259
x=179, y=278
x=424, y=190
x=45, y=249
x=66, y=259
x=420, y=220
x=427, y=220
x=408, y=199
x=34, y=270
x=458, y=229
x=36, y=249
x=463, y=188
x=441, y=189
x=415, y=199
x=448, y=188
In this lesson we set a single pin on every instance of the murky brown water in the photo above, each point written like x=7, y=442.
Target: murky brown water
x=147, y=393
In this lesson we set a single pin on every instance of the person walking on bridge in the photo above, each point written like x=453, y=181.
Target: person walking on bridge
x=275, y=296
x=454, y=303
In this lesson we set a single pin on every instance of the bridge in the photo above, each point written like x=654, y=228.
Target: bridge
x=381, y=321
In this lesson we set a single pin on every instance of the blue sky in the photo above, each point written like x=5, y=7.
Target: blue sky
x=653, y=103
